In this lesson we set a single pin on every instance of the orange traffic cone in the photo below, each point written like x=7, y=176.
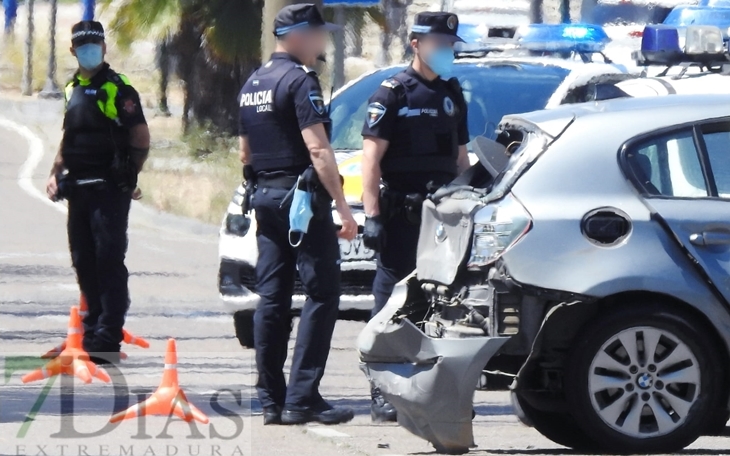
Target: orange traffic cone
x=168, y=398
x=72, y=360
x=129, y=338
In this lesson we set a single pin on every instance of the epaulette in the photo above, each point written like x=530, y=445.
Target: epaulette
x=307, y=69
x=390, y=83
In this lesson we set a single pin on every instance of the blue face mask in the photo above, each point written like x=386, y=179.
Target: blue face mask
x=441, y=61
x=90, y=56
x=300, y=214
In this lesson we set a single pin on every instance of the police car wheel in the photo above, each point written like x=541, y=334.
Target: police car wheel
x=643, y=379
x=243, y=322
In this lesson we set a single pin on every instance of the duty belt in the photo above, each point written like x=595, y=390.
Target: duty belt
x=276, y=181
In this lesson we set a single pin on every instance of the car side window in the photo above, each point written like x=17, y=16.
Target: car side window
x=669, y=165
x=717, y=143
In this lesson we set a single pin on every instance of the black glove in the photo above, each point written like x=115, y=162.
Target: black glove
x=373, y=235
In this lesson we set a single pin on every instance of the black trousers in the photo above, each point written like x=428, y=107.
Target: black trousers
x=317, y=262
x=97, y=234
x=397, y=259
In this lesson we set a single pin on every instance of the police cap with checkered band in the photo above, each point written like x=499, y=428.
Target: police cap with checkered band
x=437, y=23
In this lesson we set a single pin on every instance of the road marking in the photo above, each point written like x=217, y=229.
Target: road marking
x=326, y=432
x=35, y=155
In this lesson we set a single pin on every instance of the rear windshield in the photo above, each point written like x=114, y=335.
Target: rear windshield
x=492, y=90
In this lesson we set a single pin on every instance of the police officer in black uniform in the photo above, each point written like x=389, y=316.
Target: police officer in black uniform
x=415, y=139
x=105, y=143
x=284, y=128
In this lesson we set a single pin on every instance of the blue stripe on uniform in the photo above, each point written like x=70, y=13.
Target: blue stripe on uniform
x=287, y=29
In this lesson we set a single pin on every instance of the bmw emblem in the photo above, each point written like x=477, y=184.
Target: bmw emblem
x=645, y=381
x=440, y=233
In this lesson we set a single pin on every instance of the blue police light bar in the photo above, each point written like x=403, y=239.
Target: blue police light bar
x=683, y=16
x=667, y=45
x=562, y=37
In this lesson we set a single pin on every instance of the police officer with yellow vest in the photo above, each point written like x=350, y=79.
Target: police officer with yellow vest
x=284, y=127
x=415, y=139
x=105, y=143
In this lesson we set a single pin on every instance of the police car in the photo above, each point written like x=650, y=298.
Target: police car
x=542, y=67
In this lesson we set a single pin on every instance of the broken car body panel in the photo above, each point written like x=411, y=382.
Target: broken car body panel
x=430, y=381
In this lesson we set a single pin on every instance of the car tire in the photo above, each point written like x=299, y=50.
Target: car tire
x=559, y=427
x=644, y=379
x=243, y=323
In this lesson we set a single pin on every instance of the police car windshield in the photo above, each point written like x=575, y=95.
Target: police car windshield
x=626, y=14
x=492, y=90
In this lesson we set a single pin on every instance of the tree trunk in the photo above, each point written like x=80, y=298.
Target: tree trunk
x=339, y=40
x=27, y=81
x=163, y=65
x=50, y=89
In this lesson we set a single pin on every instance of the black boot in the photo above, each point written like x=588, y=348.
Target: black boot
x=272, y=415
x=381, y=410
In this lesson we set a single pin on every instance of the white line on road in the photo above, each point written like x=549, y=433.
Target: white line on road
x=326, y=432
x=35, y=155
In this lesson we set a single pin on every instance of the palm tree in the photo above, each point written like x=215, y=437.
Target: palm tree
x=50, y=89
x=215, y=42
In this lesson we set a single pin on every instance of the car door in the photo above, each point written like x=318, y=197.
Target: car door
x=685, y=175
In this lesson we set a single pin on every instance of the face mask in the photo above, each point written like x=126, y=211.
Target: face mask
x=300, y=214
x=441, y=61
x=90, y=56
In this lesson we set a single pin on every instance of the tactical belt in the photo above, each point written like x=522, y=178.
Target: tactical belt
x=274, y=181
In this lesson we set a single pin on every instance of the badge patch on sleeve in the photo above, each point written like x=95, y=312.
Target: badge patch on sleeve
x=130, y=106
x=376, y=111
x=449, y=108
x=317, y=102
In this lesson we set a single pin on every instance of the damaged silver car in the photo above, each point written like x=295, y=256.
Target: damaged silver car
x=595, y=262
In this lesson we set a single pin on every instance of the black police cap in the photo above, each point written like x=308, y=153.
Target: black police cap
x=86, y=32
x=300, y=16
x=437, y=23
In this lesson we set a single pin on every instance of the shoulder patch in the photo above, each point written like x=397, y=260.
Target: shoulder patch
x=390, y=83
x=306, y=69
x=315, y=97
x=376, y=111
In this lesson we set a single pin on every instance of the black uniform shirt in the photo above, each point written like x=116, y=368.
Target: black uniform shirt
x=274, y=125
x=385, y=113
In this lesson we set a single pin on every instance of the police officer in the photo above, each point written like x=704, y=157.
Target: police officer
x=415, y=139
x=284, y=129
x=105, y=143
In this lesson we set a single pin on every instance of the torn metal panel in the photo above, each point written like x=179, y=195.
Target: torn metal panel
x=430, y=382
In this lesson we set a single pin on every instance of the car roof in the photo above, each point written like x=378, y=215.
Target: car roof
x=689, y=84
x=632, y=116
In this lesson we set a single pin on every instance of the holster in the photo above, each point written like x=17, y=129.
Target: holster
x=123, y=171
x=394, y=203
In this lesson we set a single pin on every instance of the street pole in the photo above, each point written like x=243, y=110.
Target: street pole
x=536, y=11
x=271, y=7
x=26, y=87
x=50, y=89
x=11, y=12
x=88, y=6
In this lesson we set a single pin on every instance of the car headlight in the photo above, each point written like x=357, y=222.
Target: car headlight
x=237, y=224
x=497, y=227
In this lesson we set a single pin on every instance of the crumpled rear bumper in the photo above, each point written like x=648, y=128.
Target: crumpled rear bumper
x=430, y=382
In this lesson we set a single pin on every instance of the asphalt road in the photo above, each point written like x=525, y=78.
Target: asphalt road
x=173, y=266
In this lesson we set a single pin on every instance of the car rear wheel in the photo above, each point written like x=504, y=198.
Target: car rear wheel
x=561, y=428
x=644, y=380
x=243, y=322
